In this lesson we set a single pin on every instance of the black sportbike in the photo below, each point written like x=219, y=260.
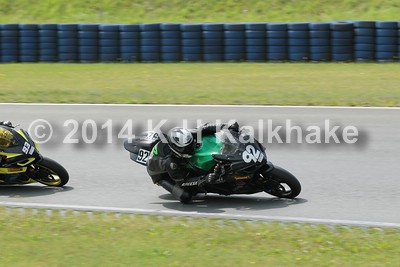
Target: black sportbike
x=243, y=161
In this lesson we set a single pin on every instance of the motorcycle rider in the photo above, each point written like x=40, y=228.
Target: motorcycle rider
x=167, y=159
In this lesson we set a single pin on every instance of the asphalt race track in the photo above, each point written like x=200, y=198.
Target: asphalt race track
x=356, y=183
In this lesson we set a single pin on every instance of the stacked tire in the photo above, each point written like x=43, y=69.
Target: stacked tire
x=150, y=42
x=256, y=42
x=277, y=42
x=298, y=41
x=68, y=43
x=386, y=49
x=48, y=43
x=342, y=41
x=129, y=42
x=235, y=42
x=171, y=42
x=28, y=42
x=213, y=42
x=109, y=44
x=9, y=45
x=320, y=42
x=364, y=41
x=192, y=42
x=398, y=41
x=88, y=43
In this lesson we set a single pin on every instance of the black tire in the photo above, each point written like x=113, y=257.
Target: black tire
x=51, y=173
x=282, y=184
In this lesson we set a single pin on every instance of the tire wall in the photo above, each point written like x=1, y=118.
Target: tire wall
x=342, y=41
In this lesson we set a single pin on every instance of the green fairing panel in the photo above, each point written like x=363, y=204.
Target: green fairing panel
x=203, y=159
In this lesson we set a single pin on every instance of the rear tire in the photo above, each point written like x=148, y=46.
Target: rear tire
x=282, y=183
x=50, y=172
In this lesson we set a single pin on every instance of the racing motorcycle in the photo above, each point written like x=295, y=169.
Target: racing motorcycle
x=21, y=163
x=240, y=156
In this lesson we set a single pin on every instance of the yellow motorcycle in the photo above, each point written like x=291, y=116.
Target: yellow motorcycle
x=21, y=162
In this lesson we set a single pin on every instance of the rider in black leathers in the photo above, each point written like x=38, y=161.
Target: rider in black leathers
x=167, y=159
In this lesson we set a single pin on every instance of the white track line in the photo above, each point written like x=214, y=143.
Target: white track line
x=205, y=106
x=201, y=214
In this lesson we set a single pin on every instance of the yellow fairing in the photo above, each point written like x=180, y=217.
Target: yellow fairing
x=12, y=170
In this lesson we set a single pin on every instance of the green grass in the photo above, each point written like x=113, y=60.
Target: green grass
x=141, y=11
x=352, y=84
x=34, y=238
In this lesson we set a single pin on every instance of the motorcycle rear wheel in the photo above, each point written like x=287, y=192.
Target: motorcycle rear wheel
x=50, y=172
x=282, y=183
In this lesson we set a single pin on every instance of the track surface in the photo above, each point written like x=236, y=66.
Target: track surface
x=341, y=182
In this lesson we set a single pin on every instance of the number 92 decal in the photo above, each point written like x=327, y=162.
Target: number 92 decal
x=143, y=155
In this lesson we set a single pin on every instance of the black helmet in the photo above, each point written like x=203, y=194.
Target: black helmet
x=181, y=142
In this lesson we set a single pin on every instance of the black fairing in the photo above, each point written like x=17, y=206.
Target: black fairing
x=141, y=146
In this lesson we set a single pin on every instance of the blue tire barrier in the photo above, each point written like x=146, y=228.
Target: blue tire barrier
x=320, y=42
x=283, y=49
x=256, y=27
x=277, y=57
x=89, y=36
x=347, y=40
x=28, y=42
x=256, y=57
x=364, y=56
x=48, y=43
x=192, y=42
x=88, y=27
x=235, y=27
x=213, y=57
x=364, y=41
x=68, y=43
x=150, y=42
x=342, y=41
x=170, y=27
x=386, y=25
x=342, y=57
x=213, y=27
x=235, y=42
x=298, y=42
x=171, y=57
x=277, y=27
x=213, y=42
x=364, y=24
x=129, y=42
x=192, y=57
x=319, y=26
x=320, y=34
x=277, y=42
x=256, y=42
x=386, y=48
x=170, y=35
x=342, y=26
x=109, y=43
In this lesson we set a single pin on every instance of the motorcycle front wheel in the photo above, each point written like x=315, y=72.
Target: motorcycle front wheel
x=50, y=172
x=281, y=183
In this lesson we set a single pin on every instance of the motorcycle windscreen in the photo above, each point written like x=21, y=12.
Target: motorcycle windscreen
x=7, y=138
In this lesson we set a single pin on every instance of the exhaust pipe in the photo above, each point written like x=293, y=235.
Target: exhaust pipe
x=176, y=191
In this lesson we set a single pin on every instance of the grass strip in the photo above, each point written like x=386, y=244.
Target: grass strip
x=37, y=237
x=141, y=11
x=330, y=84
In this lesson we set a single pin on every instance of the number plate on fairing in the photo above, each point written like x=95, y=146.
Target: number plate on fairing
x=143, y=156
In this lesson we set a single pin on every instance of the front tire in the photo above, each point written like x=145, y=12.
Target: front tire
x=282, y=183
x=50, y=172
